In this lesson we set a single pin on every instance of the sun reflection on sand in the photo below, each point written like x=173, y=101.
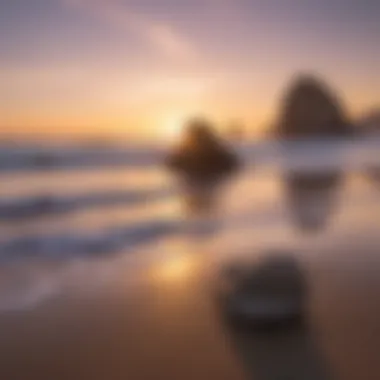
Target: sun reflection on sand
x=179, y=263
x=175, y=268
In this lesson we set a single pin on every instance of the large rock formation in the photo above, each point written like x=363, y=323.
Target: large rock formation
x=202, y=162
x=311, y=111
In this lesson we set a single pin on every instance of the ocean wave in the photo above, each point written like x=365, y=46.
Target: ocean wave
x=69, y=245
x=49, y=159
x=305, y=154
x=40, y=205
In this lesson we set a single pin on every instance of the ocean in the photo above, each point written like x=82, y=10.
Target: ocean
x=103, y=276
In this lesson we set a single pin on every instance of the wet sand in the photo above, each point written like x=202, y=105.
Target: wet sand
x=159, y=326
x=164, y=325
x=154, y=317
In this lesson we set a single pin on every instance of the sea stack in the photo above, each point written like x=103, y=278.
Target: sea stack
x=201, y=162
x=311, y=111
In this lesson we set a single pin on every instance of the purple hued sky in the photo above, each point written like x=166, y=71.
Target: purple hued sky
x=140, y=66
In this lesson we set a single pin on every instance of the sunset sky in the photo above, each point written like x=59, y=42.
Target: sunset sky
x=138, y=67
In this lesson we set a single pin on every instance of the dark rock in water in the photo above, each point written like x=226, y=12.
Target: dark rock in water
x=270, y=294
x=310, y=110
x=201, y=156
x=201, y=162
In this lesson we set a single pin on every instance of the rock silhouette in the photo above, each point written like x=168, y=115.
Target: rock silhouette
x=202, y=162
x=269, y=294
x=311, y=111
x=201, y=156
x=265, y=310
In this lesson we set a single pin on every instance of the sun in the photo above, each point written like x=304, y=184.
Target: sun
x=172, y=126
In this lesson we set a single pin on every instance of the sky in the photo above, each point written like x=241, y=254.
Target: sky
x=138, y=68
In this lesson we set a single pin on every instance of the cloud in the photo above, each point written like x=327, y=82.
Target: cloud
x=163, y=37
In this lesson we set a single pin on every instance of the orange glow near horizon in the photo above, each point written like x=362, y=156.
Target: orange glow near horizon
x=86, y=67
x=150, y=108
x=172, y=127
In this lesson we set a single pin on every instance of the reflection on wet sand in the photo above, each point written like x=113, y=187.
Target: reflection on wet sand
x=151, y=314
x=165, y=325
x=165, y=328
x=266, y=310
x=174, y=269
x=311, y=199
x=285, y=354
x=198, y=200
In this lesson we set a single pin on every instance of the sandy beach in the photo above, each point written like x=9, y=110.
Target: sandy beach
x=151, y=313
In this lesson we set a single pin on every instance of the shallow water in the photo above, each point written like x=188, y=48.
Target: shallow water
x=125, y=291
